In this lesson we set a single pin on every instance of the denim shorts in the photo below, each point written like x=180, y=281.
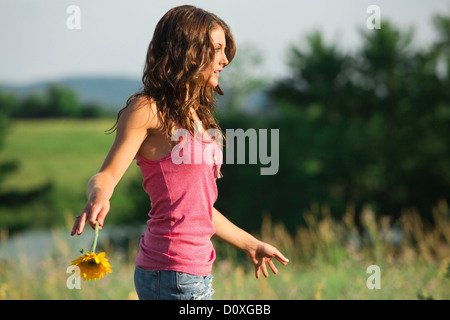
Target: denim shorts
x=171, y=285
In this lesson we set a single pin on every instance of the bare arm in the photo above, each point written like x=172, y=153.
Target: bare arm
x=132, y=130
x=259, y=252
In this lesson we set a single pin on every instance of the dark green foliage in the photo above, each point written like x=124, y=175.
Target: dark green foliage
x=55, y=102
x=371, y=127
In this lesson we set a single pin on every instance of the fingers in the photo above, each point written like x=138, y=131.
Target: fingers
x=91, y=213
x=272, y=267
x=280, y=257
x=262, y=266
x=94, y=212
x=257, y=272
x=78, y=226
x=75, y=227
x=101, y=216
x=265, y=256
x=264, y=270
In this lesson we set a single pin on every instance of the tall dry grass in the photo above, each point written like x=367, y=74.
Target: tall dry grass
x=328, y=260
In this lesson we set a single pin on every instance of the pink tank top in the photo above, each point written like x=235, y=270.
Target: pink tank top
x=182, y=196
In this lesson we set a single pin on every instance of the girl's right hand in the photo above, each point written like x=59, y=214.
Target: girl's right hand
x=96, y=209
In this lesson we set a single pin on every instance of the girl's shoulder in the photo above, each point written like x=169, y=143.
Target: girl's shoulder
x=142, y=111
x=142, y=103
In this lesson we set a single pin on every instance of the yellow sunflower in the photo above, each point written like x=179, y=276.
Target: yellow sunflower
x=93, y=266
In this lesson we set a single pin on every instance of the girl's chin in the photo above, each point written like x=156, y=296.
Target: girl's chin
x=212, y=84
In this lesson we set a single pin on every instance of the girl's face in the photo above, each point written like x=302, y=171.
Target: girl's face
x=211, y=74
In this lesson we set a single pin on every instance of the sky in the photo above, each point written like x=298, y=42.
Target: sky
x=36, y=44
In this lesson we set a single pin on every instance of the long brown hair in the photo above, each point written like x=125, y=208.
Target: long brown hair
x=181, y=48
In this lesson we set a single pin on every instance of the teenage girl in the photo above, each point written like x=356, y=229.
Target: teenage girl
x=189, y=49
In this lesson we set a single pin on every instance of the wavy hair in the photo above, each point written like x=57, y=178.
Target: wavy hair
x=181, y=48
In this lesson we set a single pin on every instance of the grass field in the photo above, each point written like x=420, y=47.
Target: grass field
x=64, y=153
x=328, y=258
x=320, y=267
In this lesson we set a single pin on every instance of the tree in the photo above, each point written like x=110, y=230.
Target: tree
x=370, y=127
x=63, y=102
x=56, y=102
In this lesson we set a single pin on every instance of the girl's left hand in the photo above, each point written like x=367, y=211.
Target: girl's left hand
x=262, y=254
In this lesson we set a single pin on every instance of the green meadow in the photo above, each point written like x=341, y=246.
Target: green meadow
x=329, y=258
x=62, y=153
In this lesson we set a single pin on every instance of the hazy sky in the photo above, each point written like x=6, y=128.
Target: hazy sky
x=36, y=44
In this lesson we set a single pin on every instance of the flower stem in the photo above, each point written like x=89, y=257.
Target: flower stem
x=94, y=245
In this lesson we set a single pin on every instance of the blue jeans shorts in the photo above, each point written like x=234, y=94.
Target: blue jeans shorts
x=171, y=285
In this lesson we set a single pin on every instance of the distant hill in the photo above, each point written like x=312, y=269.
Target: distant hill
x=111, y=93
